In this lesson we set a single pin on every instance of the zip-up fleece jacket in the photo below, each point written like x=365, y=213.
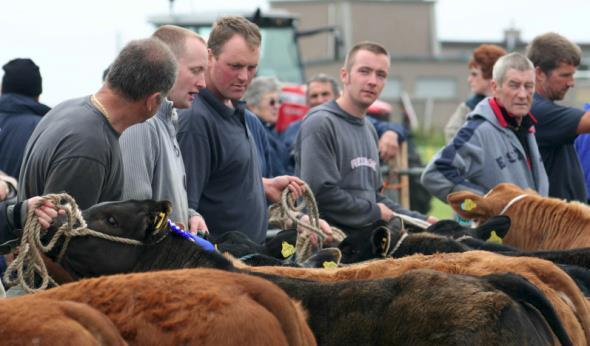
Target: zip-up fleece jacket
x=484, y=153
x=337, y=155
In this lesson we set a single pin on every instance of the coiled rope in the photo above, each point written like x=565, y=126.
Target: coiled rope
x=29, y=262
x=291, y=209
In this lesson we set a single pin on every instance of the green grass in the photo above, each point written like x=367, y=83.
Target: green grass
x=440, y=210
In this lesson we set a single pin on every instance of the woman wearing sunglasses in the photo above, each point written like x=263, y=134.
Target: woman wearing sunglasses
x=262, y=99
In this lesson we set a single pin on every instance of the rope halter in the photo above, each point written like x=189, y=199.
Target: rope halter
x=512, y=201
x=29, y=261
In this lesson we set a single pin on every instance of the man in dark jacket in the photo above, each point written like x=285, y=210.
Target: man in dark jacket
x=20, y=111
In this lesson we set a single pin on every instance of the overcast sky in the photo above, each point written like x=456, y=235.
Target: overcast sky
x=73, y=41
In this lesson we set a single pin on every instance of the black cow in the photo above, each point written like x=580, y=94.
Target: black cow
x=419, y=308
x=241, y=246
x=475, y=239
x=448, y=236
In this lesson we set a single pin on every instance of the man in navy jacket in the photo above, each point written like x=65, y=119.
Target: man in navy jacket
x=20, y=111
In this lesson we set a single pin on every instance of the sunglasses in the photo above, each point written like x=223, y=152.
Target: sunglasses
x=274, y=102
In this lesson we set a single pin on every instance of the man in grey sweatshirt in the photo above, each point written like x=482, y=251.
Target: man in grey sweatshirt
x=336, y=150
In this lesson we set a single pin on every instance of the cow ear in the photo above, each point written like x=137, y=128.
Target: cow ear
x=467, y=204
x=499, y=224
x=381, y=241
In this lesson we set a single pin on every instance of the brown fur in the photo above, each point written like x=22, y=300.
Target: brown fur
x=193, y=307
x=551, y=280
x=34, y=321
x=538, y=223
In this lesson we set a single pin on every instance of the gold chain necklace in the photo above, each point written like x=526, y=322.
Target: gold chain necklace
x=100, y=107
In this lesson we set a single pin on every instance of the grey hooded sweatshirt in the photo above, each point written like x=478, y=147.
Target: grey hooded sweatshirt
x=337, y=155
x=484, y=153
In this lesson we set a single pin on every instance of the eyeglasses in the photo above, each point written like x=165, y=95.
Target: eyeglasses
x=273, y=102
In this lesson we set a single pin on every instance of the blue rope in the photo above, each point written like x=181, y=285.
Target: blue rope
x=204, y=244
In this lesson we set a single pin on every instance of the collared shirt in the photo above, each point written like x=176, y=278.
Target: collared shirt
x=521, y=130
x=153, y=165
x=224, y=179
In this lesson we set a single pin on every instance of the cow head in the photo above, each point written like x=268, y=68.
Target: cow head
x=139, y=220
x=472, y=206
x=452, y=229
x=363, y=245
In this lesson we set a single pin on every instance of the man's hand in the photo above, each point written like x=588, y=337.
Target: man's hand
x=7, y=186
x=431, y=220
x=324, y=227
x=273, y=188
x=45, y=212
x=388, y=145
x=4, y=190
x=197, y=224
x=386, y=213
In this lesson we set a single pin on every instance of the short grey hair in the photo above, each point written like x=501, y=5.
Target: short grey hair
x=323, y=78
x=515, y=61
x=142, y=68
x=259, y=87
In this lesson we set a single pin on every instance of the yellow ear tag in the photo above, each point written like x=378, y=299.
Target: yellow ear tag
x=287, y=249
x=494, y=238
x=383, y=244
x=468, y=205
x=160, y=220
x=330, y=264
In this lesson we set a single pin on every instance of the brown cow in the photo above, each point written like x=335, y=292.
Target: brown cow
x=557, y=286
x=192, y=307
x=538, y=223
x=35, y=321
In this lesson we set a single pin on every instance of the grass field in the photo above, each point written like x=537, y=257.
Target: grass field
x=440, y=210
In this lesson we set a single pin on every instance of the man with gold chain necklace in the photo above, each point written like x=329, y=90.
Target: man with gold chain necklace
x=75, y=148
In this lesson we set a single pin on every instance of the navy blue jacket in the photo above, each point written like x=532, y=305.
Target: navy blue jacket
x=261, y=139
x=19, y=115
x=223, y=170
x=279, y=154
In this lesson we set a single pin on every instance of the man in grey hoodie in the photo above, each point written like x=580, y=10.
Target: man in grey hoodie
x=336, y=150
x=497, y=143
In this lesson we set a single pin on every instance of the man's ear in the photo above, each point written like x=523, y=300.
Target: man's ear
x=210, y=56
x=494, y=87
x=153, y=102
x=343, y=75
x=467, y=204
x=540, y=76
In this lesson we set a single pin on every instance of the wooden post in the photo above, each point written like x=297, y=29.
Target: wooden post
x=404, y=178
x=400, y=182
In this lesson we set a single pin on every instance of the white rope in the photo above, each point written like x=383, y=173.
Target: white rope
x=463, y=237
x=398, y=244
x=514, y=200
x=413, y=221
